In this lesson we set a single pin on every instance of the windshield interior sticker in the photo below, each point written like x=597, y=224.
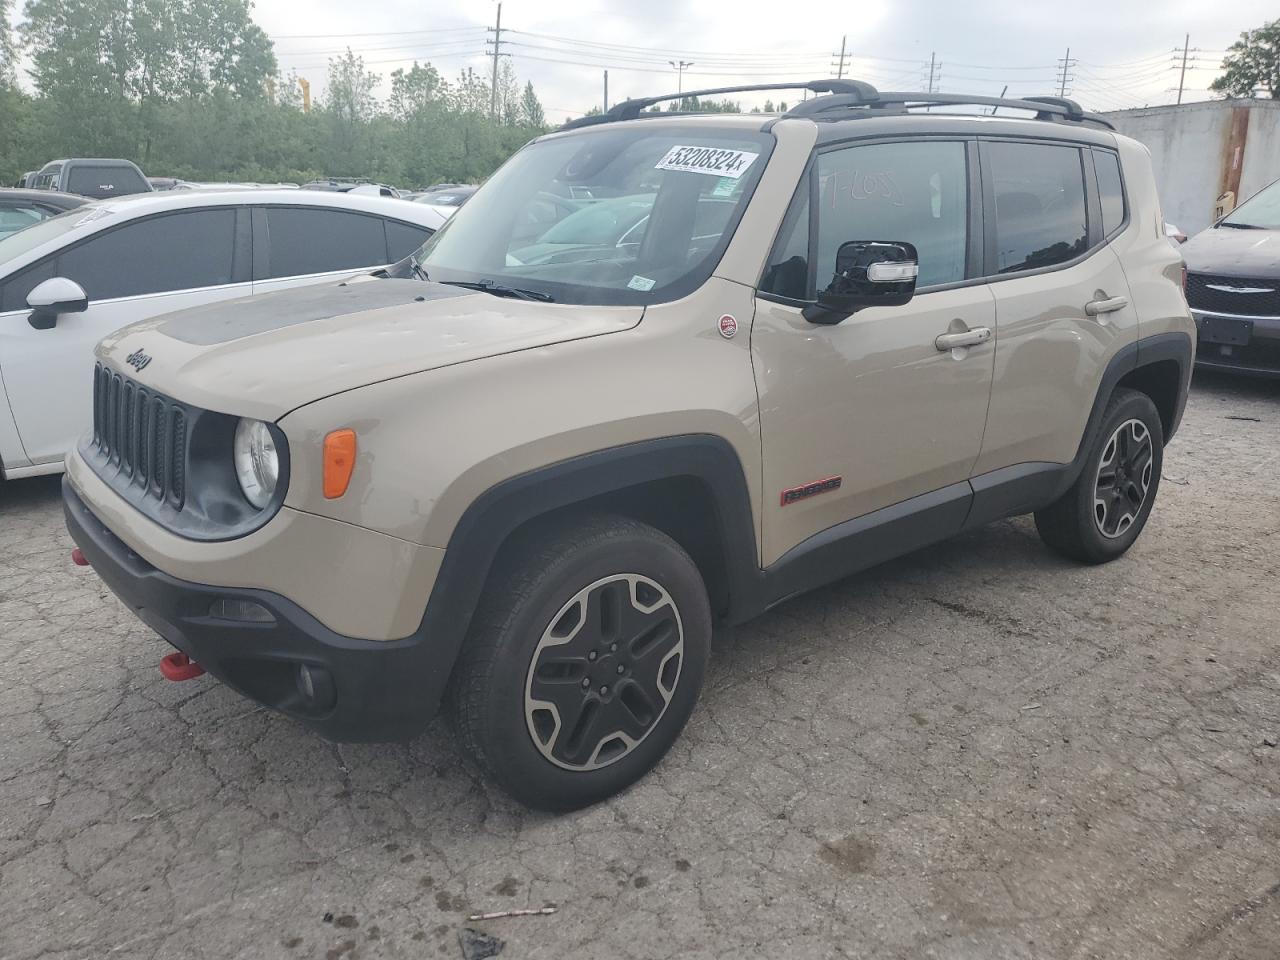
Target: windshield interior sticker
x=641, y=283
x=715, y=161
x=724, y=187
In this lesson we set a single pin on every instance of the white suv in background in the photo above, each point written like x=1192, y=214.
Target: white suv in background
x=71, y=280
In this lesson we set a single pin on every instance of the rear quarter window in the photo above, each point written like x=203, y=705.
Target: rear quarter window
x=1110, y=190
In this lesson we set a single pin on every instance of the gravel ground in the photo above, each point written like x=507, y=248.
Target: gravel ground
x=980, y=751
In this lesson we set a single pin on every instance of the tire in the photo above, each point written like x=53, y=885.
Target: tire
x=584, y=661
x=1104, y=511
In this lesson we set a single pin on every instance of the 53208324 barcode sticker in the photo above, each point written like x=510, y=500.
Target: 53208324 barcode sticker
x=716, y=161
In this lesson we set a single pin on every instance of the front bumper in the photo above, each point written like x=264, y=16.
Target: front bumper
x=1258, y=356
x=371, y=690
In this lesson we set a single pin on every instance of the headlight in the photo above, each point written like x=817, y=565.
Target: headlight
x=257, y=462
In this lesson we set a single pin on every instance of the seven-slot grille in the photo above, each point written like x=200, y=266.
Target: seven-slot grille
x=1265, y=302
x=142, y=433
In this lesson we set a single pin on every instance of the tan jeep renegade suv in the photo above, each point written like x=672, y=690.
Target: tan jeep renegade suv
x=661, y=371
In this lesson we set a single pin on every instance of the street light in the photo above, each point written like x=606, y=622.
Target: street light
x=680, y=65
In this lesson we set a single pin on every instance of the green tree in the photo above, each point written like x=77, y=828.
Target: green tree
x=531, y=112
x=6, y=45
x=1252, y=63
x=416, y=93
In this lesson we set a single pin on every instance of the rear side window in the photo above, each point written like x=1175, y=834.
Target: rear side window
x=304, y=241
x=403, y=239
x=90, y=181
x=178, y=251
x=1040, y=205
x=1110, y=190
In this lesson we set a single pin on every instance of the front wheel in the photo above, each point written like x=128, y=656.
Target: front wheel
x=1104, y=511
x=584, y=662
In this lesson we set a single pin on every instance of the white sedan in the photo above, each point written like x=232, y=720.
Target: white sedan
x=67, y=282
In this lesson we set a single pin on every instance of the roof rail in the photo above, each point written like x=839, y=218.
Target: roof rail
x=631, y=109
x=1044, y=108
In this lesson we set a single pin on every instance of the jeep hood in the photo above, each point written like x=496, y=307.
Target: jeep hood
x=1235, y=253
x=266, y=355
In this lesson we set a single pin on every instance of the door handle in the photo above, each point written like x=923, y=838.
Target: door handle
x=1095, y=307
x=966, y=338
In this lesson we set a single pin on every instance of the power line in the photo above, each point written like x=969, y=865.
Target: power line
x=385, y=33
x=1064, y=77
x=840, y=64
x=497, y=52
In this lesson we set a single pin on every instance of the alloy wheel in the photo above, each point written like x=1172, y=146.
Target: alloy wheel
x=604, y=672
x=1123, y=479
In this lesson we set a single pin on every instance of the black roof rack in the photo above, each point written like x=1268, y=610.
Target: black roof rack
x=631, y=109
x=1044, y=108
x=846, y=95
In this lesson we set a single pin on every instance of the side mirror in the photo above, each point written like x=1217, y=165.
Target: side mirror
x=52, y=298
x=869, y=273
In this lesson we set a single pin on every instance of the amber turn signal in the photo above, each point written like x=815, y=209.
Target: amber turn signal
x=339, y=461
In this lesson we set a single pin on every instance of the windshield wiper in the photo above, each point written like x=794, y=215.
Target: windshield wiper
x=1237, y=225
x=499, y=290
x=416, y=267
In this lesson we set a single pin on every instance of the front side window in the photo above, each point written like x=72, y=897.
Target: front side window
x=178, y=251
x=612, y=215
x=787, y=274
x=914, y=191
x=1040, y=205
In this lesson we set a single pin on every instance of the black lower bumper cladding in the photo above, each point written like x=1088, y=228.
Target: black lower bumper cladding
x=354, y=690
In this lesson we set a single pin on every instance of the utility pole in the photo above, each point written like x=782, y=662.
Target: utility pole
x=305, y=85
x=497, y=47
x=841, y=62
x=680, y=65
x=933, y=72
x=1182, y=77
x=606, y=91
x=1064, y=73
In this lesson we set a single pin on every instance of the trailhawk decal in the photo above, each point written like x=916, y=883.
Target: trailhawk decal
x=715, y=161
x=810, y=490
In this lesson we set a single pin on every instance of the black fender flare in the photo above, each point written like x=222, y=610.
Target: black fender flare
x=493, y=516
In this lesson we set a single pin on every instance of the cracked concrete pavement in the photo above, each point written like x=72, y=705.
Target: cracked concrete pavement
x=979, y=751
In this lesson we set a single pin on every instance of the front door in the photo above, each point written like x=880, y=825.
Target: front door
x=875, y=400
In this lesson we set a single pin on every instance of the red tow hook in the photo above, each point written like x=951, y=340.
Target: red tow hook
x=178, y=666
x=78, y=557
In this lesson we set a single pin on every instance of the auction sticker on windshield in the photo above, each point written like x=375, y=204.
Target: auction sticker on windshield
x=715, y=161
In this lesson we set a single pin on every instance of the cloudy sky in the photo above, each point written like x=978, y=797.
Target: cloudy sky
x=1124, y=49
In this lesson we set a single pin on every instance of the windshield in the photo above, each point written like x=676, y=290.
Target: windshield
x=31, y=237
x=606, y=216
x=1260, y=210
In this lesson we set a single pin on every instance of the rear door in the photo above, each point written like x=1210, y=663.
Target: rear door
x=296, y=246
x=132, y=272
x=1062, y=300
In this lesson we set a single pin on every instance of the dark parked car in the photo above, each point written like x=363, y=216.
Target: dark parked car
x=1233, y=287
x=92, y=177
x=448, y=196
x=22, y=208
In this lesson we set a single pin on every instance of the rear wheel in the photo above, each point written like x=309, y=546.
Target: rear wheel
x=1104, y=511
x=584, y=662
